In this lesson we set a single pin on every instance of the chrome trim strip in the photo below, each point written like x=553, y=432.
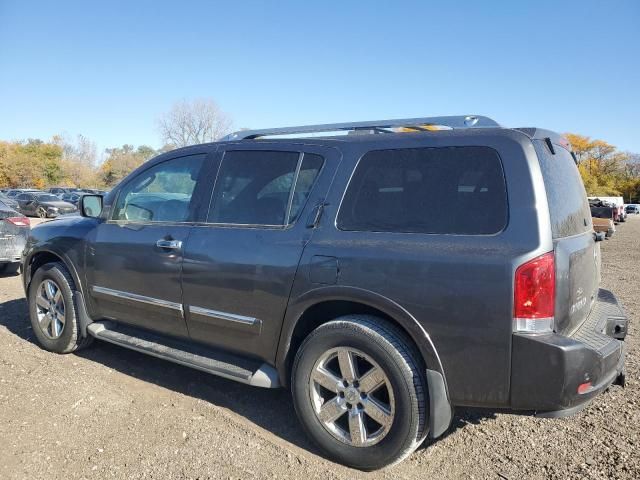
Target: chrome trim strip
x=137, y=298
x=231, y=317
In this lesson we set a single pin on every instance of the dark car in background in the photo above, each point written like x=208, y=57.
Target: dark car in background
x=74, y=197
x=9, y=202
x=14, y=231
x=633, y=209
x=385, y=278
x=62, y=190
x=43, y=205
x=14, y=192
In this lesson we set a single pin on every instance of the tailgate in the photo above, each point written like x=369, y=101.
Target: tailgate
x=577, y=279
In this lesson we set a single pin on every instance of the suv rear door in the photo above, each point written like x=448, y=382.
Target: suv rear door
x=577, y=255
x=239, y=265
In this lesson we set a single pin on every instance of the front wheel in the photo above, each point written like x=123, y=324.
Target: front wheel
x=52, y=310
x=359, y=391
x=41, y=212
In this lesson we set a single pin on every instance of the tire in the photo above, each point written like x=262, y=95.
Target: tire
x=375, y=343
x=54, y=334
x=41, y=212
x=9, y=268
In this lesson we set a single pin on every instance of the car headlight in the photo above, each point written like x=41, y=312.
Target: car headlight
x=53, y=209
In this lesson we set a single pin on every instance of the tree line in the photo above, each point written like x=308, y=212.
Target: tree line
x=65, y=161
x=605, y=170
x=73, y=162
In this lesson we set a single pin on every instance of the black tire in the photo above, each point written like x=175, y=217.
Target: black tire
x=70, y=339
x=389, y=348
x=9, y=268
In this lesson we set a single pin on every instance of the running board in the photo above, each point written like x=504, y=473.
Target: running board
x=188, y=354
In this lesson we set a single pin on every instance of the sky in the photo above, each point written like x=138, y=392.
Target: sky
x=108, y=70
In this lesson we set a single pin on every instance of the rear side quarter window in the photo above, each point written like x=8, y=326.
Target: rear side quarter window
x=452, y=190
x=568, y=205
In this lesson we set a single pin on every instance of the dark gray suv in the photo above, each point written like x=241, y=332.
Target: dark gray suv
x=385, y=276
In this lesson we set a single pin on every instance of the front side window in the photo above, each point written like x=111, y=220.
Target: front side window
x=454, y=190
x=257, y=187
x=161, y=193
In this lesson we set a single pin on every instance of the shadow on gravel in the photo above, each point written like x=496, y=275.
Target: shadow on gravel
x=14, y=316
x=271, y=410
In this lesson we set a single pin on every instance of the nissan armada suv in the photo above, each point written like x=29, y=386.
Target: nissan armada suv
x=385, y=274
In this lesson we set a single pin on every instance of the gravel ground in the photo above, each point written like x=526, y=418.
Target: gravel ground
x=112, y=413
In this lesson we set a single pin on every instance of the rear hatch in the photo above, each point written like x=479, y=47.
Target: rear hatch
x=577, y=255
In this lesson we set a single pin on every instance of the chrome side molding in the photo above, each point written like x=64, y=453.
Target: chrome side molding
x=137, y=298
x=230, y=317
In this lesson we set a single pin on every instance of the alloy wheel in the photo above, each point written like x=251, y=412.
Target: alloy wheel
x=50, y=309
x=352, y=397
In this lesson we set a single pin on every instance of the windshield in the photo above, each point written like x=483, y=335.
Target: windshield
x=47, y=198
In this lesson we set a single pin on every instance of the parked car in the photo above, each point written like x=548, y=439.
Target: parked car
x=73, y=198
x=633, y=209
x=9, y=202
x=17, y=191
x=59, y=191
x=604, y=225
x=14, y=231
x=325, y=265
x=617, y=203
x=43, y=205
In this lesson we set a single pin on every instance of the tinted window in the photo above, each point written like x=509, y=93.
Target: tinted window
x=568, y=205
x=47, y=198
x=457, y=190
x=161, y=193
x=255, y=188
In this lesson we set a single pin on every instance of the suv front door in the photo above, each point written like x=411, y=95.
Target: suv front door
x=134, y=258
x=239, y=266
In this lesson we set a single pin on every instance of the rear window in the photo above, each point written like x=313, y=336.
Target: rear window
x=453, y=190
x=567, y=198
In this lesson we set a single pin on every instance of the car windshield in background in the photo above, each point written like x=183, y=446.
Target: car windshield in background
x=47, y=198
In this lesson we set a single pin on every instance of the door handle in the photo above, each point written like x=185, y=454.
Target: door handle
x=169, y=244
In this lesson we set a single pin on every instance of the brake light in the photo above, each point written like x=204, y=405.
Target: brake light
x=534, y=295
x=18, y=221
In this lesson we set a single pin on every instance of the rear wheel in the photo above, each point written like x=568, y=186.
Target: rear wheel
x=359, y=391
x=52, y=310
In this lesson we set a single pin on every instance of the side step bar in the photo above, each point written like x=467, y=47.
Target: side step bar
x=188, y=354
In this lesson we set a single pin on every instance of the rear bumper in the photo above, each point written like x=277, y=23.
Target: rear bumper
x=547, y=370
x=11, y=246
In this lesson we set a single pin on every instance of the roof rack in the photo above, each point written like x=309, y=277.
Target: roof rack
x=377, y=126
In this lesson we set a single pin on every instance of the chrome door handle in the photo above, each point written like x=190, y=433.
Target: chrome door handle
x=169, y=244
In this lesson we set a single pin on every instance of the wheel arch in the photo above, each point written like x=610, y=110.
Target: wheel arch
x=43, y=256
x=323, y=304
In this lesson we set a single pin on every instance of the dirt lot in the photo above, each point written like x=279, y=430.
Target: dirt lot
x=111, y=413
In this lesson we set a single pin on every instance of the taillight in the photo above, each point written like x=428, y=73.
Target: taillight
x=534, y=297
x=18, y=221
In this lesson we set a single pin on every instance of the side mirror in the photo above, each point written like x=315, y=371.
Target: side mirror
x=91, y=206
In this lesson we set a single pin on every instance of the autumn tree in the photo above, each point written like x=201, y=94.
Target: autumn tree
x=193, y=122
x=121, y=161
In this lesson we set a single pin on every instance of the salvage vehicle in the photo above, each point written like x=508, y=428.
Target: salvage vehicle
x=604, y=225
x=14, y=231
x=43, y=205
x=324, y=264
x=633, y=209
x=14, y=192
x=9, y=202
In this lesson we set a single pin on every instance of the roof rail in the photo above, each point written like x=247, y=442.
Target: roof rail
x=457, y=121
